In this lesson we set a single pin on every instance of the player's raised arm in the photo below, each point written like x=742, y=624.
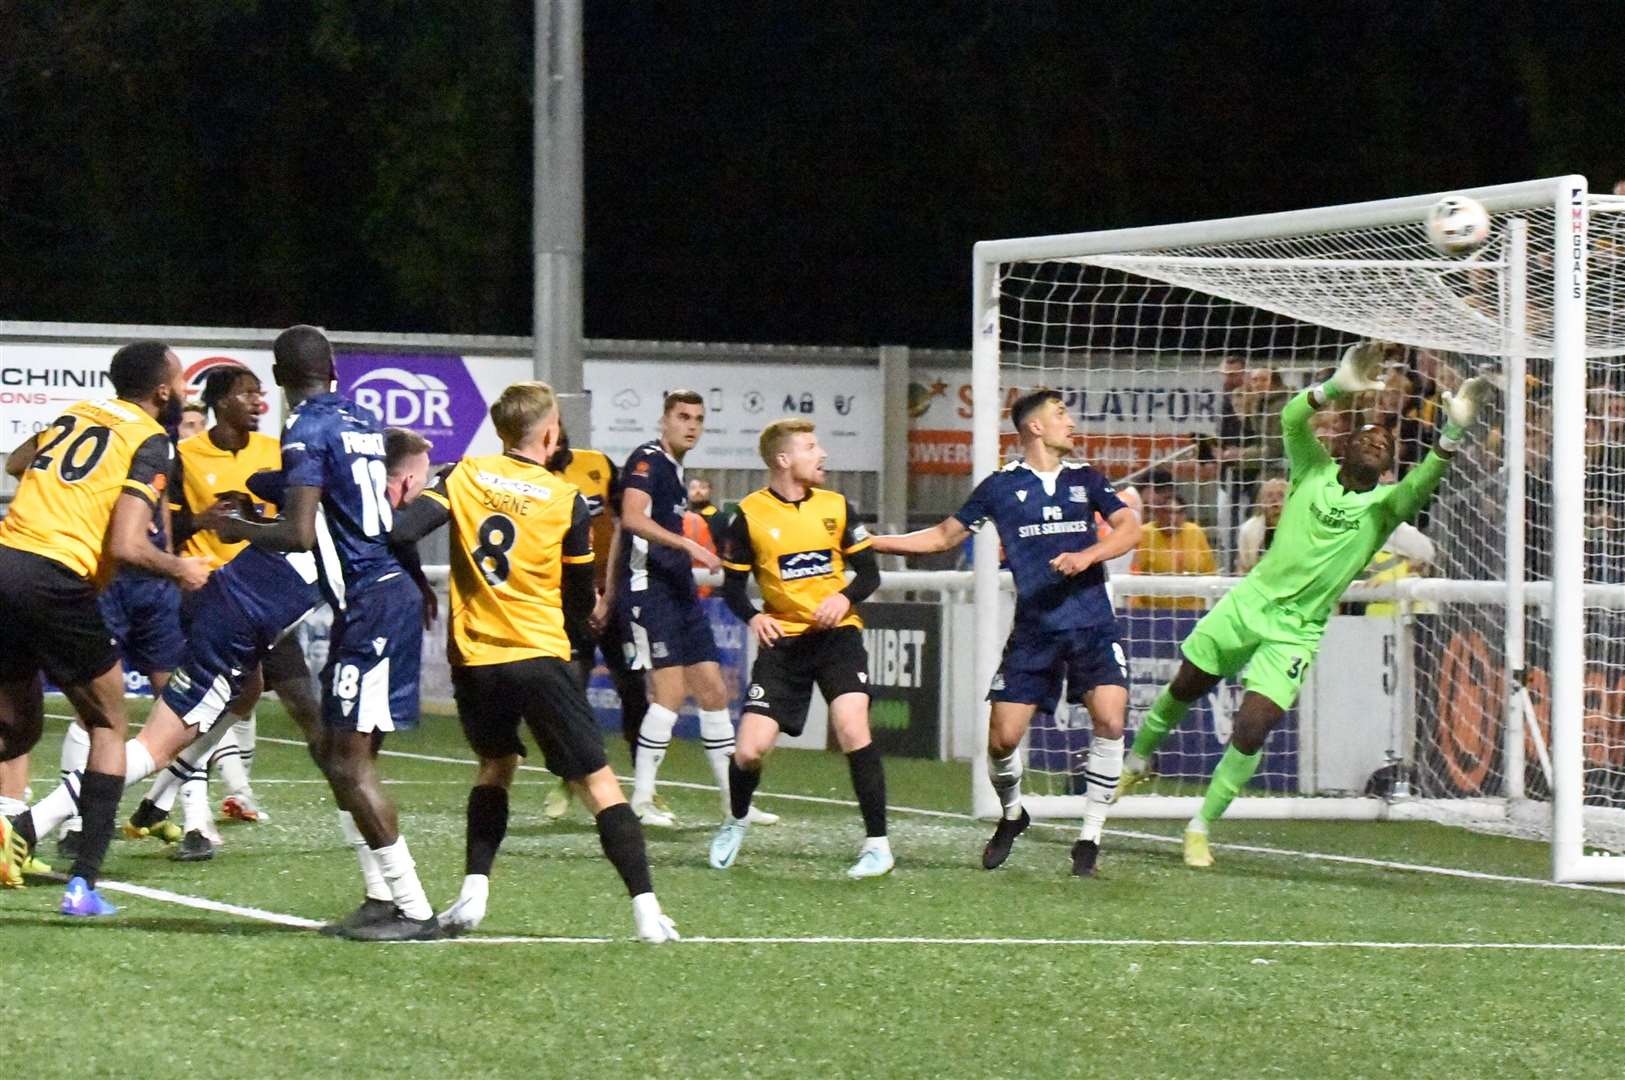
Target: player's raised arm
x=1461, y=411
x=1359, y=371
x=943, y=536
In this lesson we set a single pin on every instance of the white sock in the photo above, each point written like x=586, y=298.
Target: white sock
x=401, y=875
x=12, y=807
x=475, y=887
x=167, y=784
x=1135, y=762
x=60, y=805
x=1196, y=824
x=75, y=756
x=371, y=875
x=876, y=843
x=717, y=734
x=248, y=733
x=654, y=735
x=195, y=815
x=1005, y=773
x=1101, y=772
x=138, y=763
x=228, y=757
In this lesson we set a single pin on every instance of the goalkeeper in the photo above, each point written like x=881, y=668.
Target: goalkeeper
x=1336, y=518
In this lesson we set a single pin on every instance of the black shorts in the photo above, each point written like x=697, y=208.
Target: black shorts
x=543, y=692
x=285, y=663
x=782, y=678
x=49, y=621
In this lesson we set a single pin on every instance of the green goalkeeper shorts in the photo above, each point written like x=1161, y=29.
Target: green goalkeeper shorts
x=1274, y=645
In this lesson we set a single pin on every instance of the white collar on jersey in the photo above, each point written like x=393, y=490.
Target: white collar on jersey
x=1048, y=479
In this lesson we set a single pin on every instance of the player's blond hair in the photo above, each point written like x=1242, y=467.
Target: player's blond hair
x=776, y=434
x=520, y=408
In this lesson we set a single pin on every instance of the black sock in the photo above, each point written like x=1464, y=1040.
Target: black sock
x=147, y=815
x=622, y=837
x=869, y=784
x=23, y=825
x=98, y=805
x=487, y=825
x=741, y=786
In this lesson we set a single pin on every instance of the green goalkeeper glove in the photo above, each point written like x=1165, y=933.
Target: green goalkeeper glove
x=1460, y=410
x=1360, y=369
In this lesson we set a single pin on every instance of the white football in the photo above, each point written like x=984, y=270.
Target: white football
x=1457, y=224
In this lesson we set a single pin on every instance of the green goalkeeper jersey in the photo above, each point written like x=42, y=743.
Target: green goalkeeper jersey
x=1328, y=534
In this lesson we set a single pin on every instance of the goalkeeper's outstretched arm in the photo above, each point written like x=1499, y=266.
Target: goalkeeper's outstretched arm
x=1359, y=371
x=1461, y=410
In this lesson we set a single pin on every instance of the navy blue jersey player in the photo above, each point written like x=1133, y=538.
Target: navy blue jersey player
x=652, y=588
x=1043, y=508
x=339, y=505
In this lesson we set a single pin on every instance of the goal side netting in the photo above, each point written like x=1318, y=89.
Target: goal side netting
x=1476, y=672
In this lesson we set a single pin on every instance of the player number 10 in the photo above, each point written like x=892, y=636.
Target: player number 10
x=373, y=482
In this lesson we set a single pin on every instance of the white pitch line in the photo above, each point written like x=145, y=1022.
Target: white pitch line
x=204, y=904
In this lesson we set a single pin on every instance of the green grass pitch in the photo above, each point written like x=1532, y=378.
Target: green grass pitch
x=166, y=989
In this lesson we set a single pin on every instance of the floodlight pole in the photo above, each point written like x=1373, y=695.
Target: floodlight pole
x=556, y=210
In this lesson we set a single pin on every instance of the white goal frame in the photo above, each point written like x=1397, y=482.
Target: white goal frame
x=1567, y=198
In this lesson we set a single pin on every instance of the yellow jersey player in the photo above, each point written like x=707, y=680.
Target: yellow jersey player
x=214, y=463
x=84, y=506
x=521, y=588
x=799, y=540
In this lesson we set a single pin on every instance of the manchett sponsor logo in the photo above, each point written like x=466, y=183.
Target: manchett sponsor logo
x=806, y=564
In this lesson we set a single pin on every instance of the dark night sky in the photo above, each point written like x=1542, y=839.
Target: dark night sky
x=794, y=172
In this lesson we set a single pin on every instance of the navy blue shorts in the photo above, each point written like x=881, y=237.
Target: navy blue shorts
x=1037, y=661
x=222, y=650
x=666, y=629
x=144, y=616
x=374, y=656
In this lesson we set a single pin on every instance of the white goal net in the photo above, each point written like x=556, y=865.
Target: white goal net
x=1484, y=653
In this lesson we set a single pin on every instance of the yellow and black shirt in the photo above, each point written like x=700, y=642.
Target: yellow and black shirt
x=87, y=458
x=799, y=552
x=515, y=527
x=594, y=475
x=207, y=471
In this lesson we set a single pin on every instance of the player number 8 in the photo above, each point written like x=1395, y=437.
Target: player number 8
x=496, y=536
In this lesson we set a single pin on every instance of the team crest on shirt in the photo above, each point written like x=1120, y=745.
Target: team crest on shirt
x=641, y=468
x=595, y=475
x=1077, y=493
x=829, y=526
x=1021, y=496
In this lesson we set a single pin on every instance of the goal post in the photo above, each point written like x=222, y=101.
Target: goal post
x=1509, y=646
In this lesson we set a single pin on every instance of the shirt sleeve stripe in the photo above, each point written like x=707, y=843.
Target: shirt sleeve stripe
x=868, y=541
x=428, y=493
x=577, y=560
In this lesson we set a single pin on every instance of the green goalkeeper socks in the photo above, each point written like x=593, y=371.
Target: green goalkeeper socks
x=1229, y=777
x=1166, y=713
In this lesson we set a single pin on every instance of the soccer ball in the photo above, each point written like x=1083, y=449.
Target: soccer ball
x=1457, y=224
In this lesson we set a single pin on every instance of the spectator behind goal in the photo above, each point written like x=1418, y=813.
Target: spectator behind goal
x=1170, y=544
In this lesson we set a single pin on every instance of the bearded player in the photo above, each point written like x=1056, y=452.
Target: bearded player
x=1269, y=626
